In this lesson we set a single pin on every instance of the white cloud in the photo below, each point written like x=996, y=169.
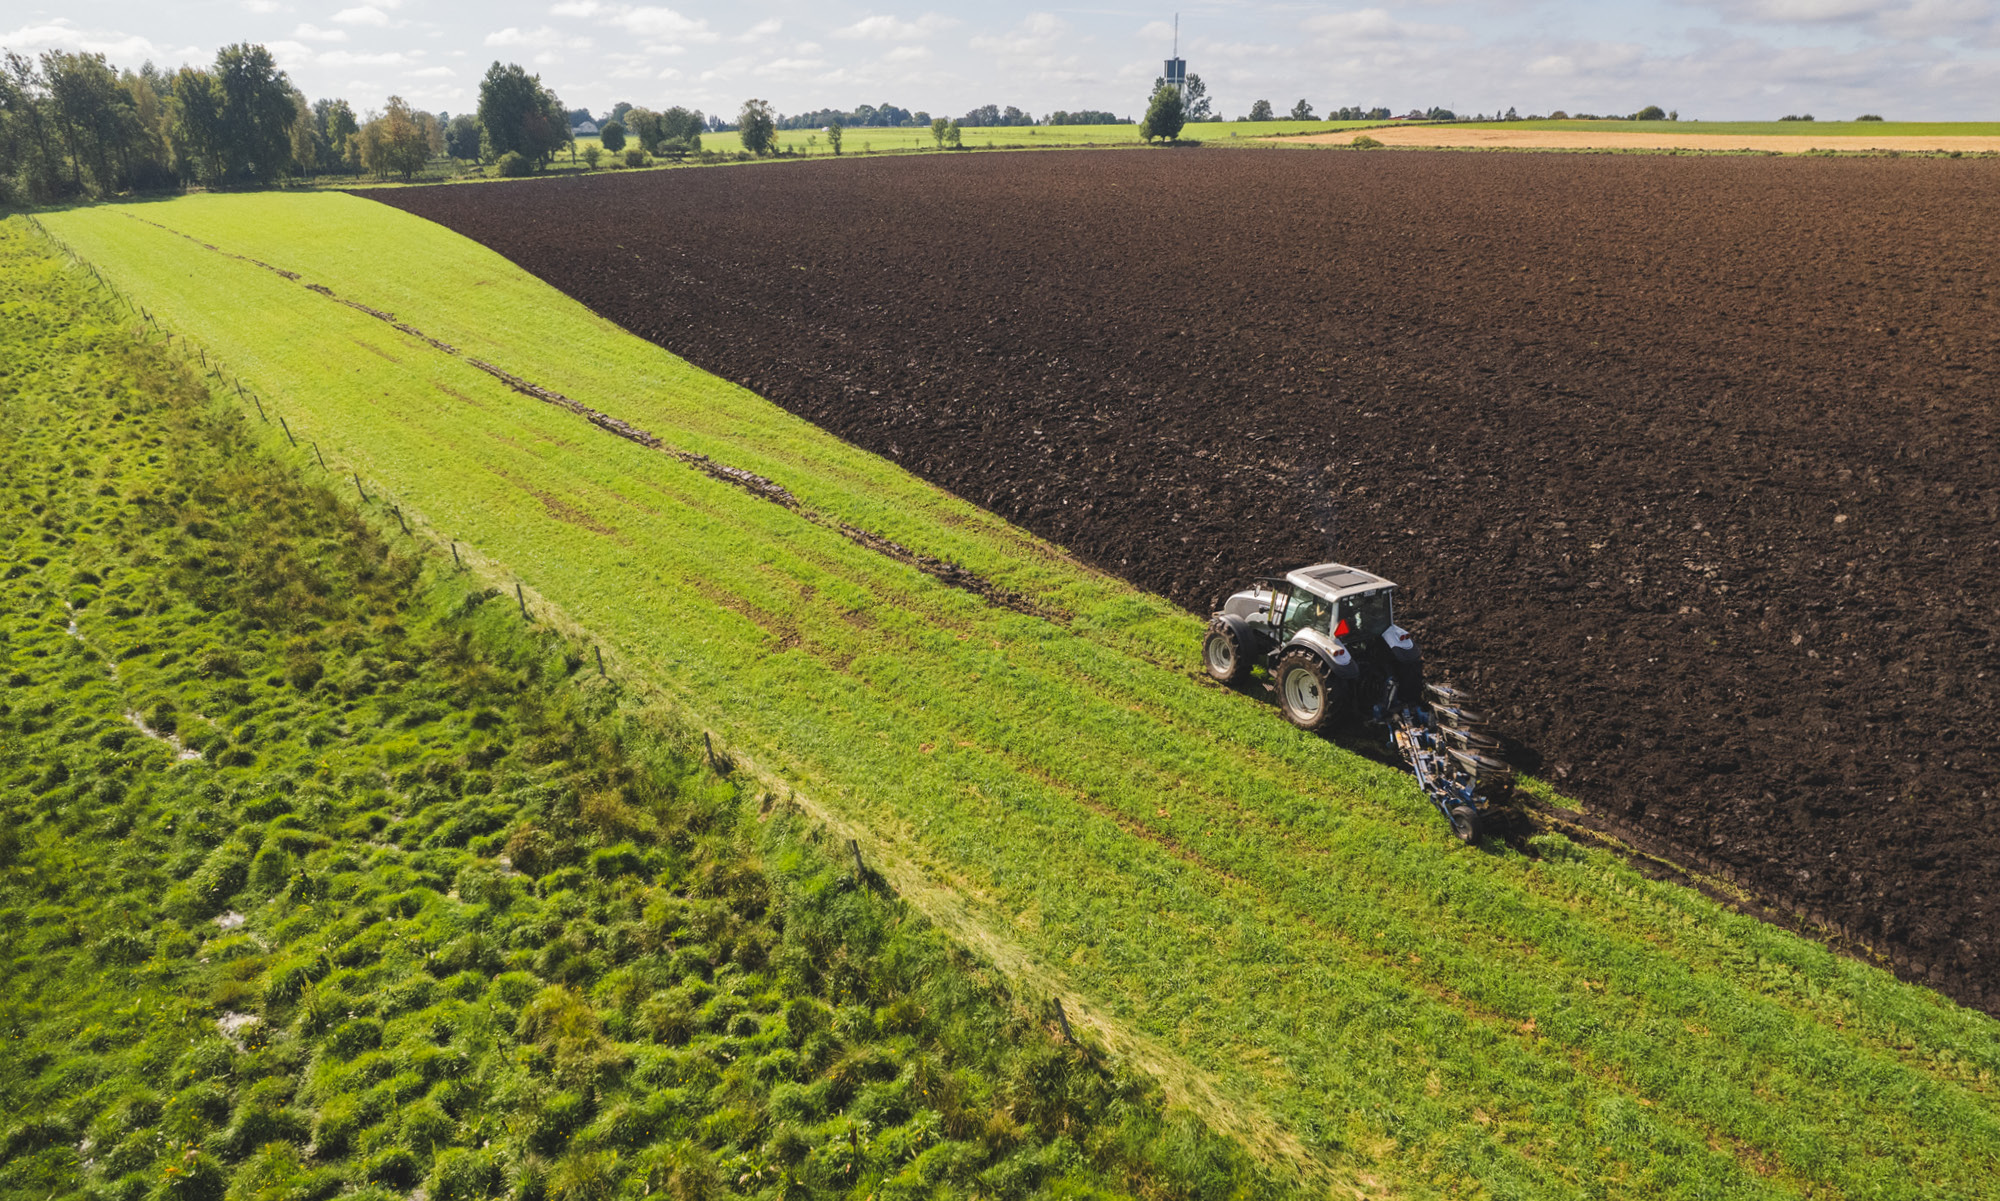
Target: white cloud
x=260, y=6
x=581, y=9
x=1037, y=34
x=313, y=33
x=895, y=29
x=433, y=73
x=379, y=58
x=123, y=49
x=1374, y=27
x=367, y=14
x=761, y=29
x=541, y=38
x=907, y=54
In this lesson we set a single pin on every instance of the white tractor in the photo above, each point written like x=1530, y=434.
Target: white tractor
x=1328, y=640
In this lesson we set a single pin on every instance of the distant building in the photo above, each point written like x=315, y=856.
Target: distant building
x=587, y=129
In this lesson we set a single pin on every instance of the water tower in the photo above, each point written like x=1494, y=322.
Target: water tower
x=1176, y=73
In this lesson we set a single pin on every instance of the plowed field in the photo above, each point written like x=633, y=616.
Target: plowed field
x=1688, y=466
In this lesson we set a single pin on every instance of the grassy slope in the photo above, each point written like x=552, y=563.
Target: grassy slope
x=650, y=1009
x=1287, y=917
x=1823, y=129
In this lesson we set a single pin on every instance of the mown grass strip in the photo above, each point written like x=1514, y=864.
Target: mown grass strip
x=1203, y=872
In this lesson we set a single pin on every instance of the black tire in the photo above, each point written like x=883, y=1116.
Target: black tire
x=1226, y=654
x=1464, y=823
x=1309, y=694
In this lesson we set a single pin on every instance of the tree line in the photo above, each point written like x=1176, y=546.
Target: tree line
x=74, y=126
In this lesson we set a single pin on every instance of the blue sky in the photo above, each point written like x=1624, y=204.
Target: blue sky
x=1712, y=59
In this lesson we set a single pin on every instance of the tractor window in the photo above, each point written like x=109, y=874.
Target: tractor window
x=1368, y=613
x=1305, y=611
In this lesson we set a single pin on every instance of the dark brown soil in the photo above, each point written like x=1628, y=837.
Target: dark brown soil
x=1687, y=465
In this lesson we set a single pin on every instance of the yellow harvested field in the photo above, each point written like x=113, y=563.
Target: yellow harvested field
x=1551, y=139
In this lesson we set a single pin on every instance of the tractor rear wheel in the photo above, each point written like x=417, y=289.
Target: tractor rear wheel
x=1309, y=695
x=1224, y=654
x=1464, y=823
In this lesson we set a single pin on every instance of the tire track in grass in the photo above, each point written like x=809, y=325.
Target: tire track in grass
x=757, y=485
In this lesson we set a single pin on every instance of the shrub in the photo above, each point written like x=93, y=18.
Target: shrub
x=591, y=155
x=635, y=157
x=513, y=165
x=1651, y=112
x=1364, y=142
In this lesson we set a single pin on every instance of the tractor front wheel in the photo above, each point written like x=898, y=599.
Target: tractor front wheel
x=1464, y=823
x=1308, y=694
x=1224, y=654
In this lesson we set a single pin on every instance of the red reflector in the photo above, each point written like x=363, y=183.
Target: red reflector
x=1341, y=630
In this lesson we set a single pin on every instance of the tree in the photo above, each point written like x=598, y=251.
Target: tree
x=682, y=125
x=334, y=123
x=256, y=113
x=461, y=137
x=612, y=134
x=619, y=110
x=1164, y=115
x=954, y=135
x=1195, y=100
x=938, y=129
x=757, y=126
x=398, y=142
x=833, y=133
x=517, y=113
x=1651, y=112
x=590, y=156
x=196, y=135
x=1261, y=111
x=1302, y=111
x=93, y=117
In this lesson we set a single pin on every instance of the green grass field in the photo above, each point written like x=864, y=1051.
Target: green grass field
x=1280, y=930
x=1823, y=129
x=323, y=873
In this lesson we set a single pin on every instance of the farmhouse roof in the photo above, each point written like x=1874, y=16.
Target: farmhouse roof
x=584, y=130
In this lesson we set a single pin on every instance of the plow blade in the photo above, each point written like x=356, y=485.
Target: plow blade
x=1460, y=718
x=1470, y=740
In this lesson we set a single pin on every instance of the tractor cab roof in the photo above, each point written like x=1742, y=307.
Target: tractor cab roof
x=1335, y=580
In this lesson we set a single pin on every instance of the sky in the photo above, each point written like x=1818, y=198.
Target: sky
x=1706, y=59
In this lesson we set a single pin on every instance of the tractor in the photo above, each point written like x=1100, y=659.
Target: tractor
x=1327, y=638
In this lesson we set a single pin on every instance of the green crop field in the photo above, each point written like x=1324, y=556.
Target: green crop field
x=1279, y=930
x=1823, y=129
